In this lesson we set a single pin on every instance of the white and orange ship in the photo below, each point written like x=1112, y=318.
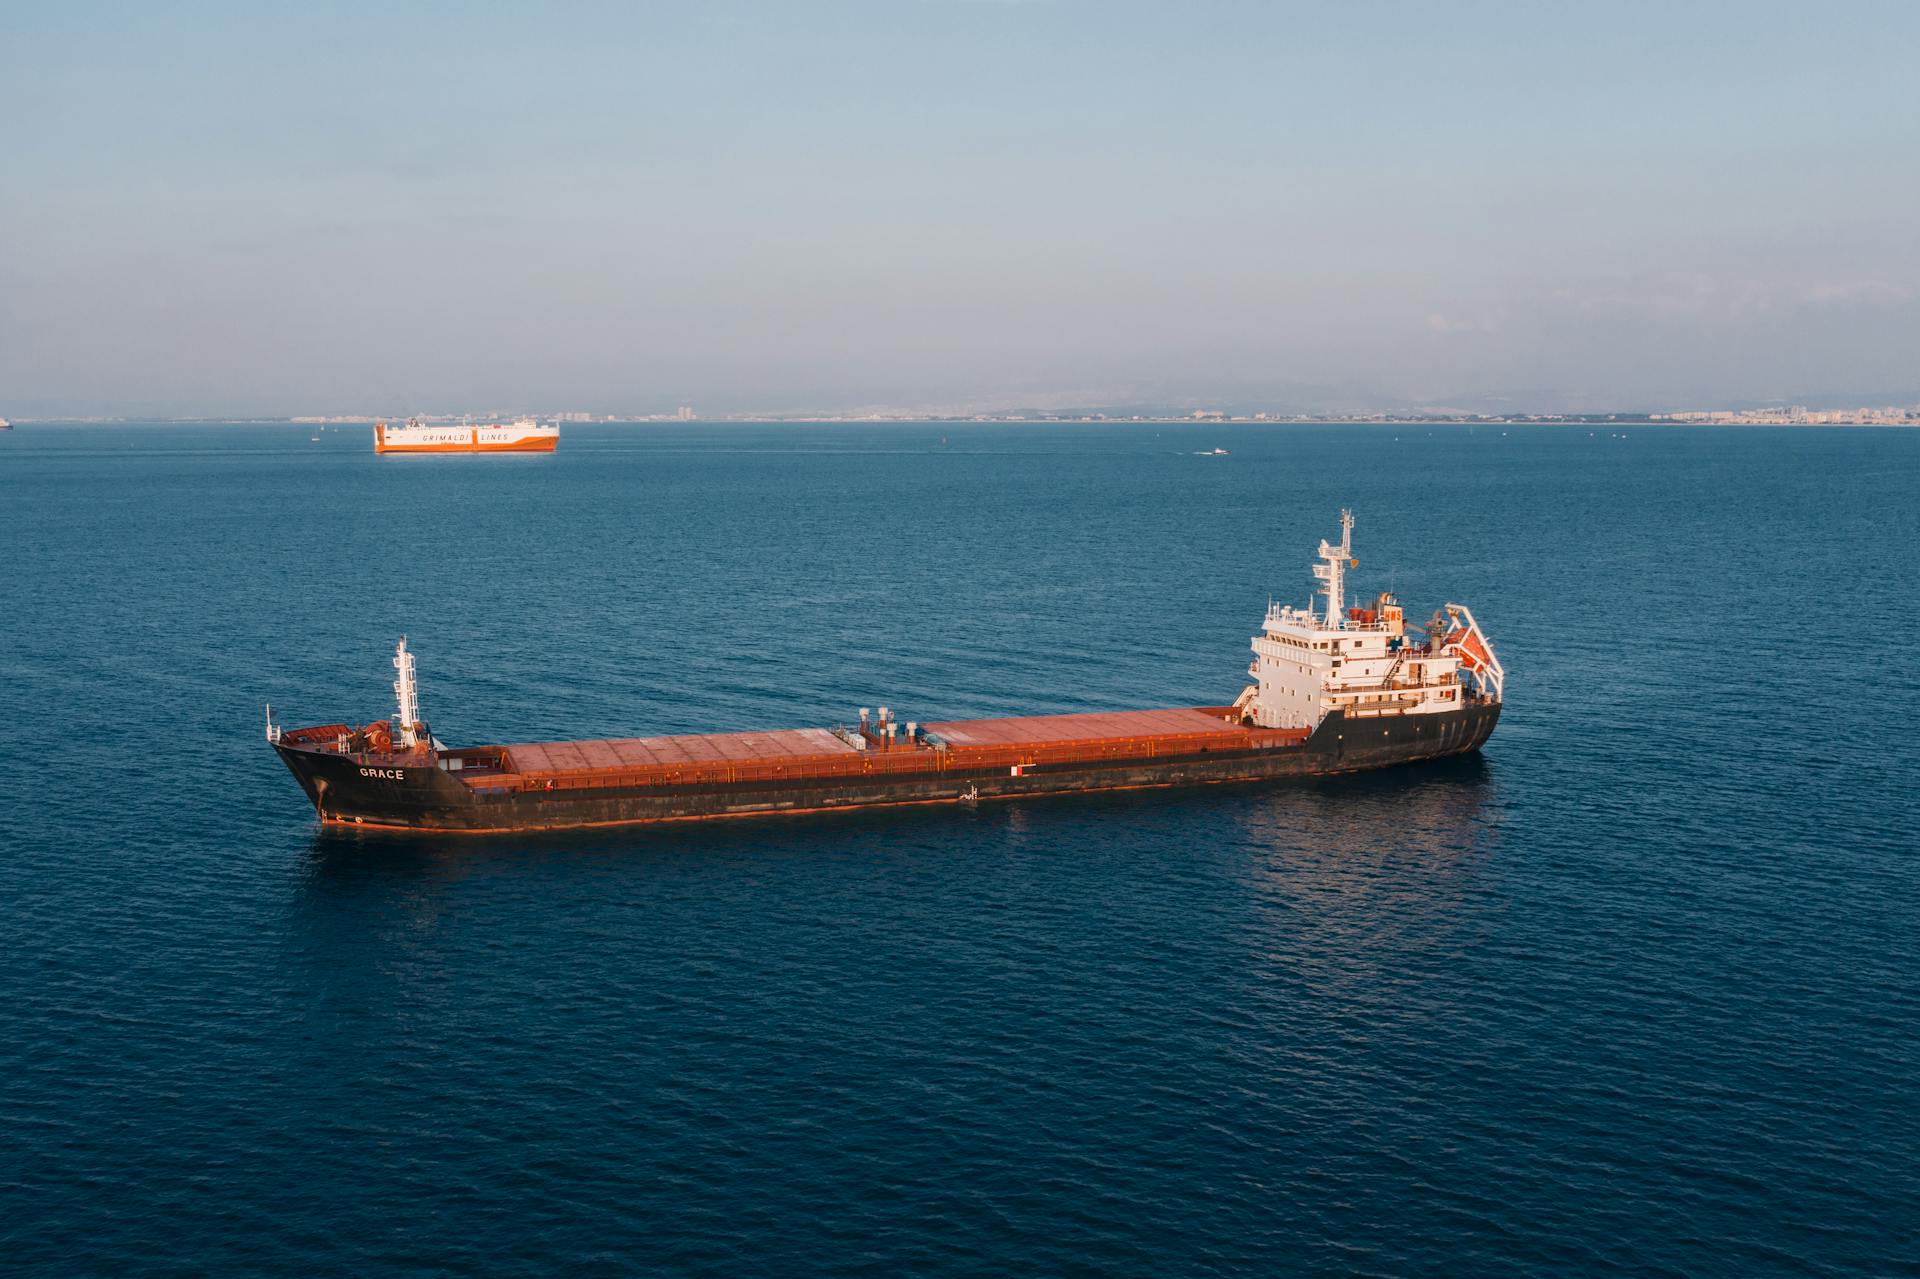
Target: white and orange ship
x=524, y=435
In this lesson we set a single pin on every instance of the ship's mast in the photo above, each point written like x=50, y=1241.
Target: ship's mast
x=1332, y=572
x=408, y=694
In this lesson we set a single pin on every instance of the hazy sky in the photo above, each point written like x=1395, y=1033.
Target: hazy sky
x=287, y=208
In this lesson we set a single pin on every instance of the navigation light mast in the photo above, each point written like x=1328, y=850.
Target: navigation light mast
x=408, y=694
x=1335, y=560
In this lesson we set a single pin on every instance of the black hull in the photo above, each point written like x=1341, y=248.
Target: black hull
x=345, y=791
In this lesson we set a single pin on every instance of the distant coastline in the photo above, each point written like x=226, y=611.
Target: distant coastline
x=1887, y=417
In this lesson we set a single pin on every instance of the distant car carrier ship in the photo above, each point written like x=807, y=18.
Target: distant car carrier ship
x=1334, y=691
x=522, y=436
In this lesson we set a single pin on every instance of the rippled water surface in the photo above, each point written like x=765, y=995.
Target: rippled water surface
x=1636, y=991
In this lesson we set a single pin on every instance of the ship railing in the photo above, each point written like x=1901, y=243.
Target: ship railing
x=1287, y=615
x=320, y=737
x=1367, y=686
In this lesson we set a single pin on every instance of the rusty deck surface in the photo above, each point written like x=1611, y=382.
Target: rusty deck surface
x=1094, y=726
x=816, y=753
x=678, y=751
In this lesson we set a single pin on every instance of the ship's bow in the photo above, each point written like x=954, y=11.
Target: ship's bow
x=371, y=790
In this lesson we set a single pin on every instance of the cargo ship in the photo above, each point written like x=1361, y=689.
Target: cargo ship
x=1333, y=689
x=524, y=435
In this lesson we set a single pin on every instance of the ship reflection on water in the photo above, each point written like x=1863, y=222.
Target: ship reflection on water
x=1434, y=812
x=1309, y=915
x=1368, y=898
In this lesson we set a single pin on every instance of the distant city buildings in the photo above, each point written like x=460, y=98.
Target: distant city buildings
x=1794, y=415
x=1798, y=415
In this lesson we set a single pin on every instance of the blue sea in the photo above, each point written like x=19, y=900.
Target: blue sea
x=1634, y=992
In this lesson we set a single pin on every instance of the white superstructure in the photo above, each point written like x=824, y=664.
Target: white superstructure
x=1361, y=661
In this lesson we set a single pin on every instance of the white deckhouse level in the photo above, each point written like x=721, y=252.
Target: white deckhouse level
x=1359, y=660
